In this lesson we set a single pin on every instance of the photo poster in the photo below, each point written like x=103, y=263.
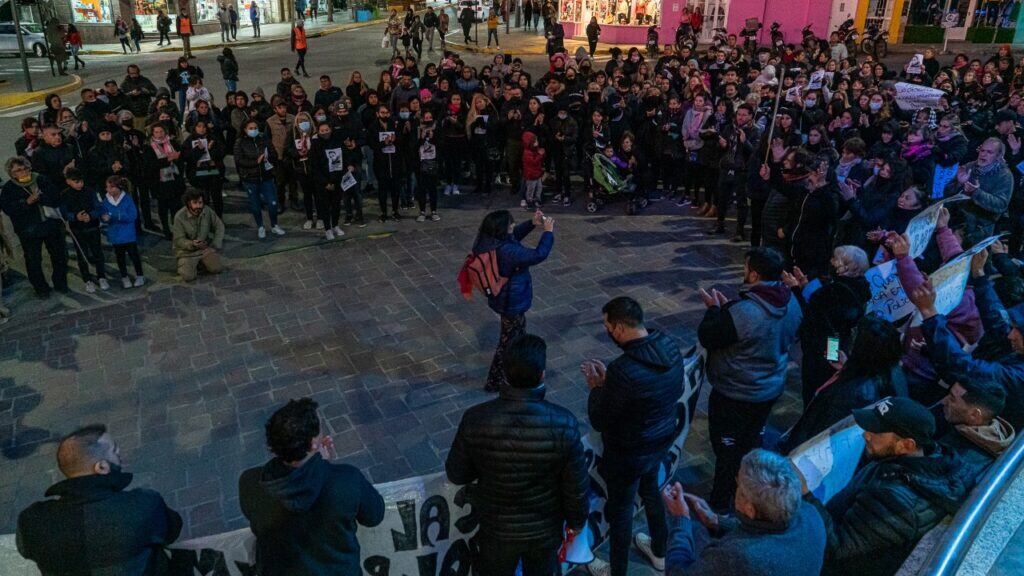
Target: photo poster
x=334, y=160
x=817, y=80
x=829, y=460
x=428, y=524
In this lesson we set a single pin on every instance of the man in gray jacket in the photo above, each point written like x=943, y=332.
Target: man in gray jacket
x=989, y=183
x=748, y=343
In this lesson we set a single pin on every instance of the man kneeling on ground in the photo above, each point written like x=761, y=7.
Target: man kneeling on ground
x=198, y=237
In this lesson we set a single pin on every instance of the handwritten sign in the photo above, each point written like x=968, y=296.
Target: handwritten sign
x=943, y=176
x=950, y=281
x=915, y=97
x=921, y=228
x=888, y=299
x=829, y=460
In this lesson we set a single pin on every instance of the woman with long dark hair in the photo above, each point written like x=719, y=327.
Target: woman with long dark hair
x=872, y=372
x=500, y=237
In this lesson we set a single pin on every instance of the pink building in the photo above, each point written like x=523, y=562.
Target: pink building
x=626, y=21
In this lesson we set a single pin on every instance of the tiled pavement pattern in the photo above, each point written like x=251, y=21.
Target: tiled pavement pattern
x=373, y=329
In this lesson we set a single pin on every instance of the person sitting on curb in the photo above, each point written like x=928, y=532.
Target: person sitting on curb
x=198, y=237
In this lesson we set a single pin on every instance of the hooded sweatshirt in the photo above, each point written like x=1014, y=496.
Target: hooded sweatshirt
x=305, y=518
x=748, y=342
x=533, y=157
x=979, y=446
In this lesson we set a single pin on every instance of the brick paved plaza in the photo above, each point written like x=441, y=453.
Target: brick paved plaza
x=373, y=328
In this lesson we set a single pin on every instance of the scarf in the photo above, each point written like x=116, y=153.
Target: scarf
x=162, y=148
x=453, y=108
x=947, y=137
x=918, y=151
x=986, y=170
x=696, y=120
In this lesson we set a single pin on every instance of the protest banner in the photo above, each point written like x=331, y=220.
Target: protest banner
x=950, y=280
x=428, y=524
x=887, y=296
x=915, y=97
x=921, y=227
x=829, y=460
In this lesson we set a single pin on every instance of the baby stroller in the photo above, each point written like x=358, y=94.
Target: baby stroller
x=609, y=185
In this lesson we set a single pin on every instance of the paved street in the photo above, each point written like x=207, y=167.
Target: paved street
x=372, y=327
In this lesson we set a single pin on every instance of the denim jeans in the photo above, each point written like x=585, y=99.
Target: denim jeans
x=262, y=194
x=625, y=476
x=231, y=85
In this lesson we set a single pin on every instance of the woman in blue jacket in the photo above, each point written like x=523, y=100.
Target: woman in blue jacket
x=119, y=216
x=498, y=232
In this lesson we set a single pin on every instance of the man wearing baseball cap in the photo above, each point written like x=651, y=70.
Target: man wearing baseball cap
x=908, y=486
x=1000, y=354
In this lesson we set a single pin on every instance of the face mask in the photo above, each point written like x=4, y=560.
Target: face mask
x=252, y=133
x=876, y=170
x=321, y=118
x=403, y=115
x=810, y=102
x=875, y=106
x=304, y=126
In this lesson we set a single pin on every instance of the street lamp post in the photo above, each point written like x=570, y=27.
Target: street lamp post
x=21, y=44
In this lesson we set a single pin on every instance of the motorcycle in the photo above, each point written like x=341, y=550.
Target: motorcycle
x=720, y=38
x=750, y=38
x=848, y=35
x=685, y=36
x=776, y=36
x=874, y=41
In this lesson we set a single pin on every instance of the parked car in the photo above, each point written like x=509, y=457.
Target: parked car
x=32, y=34
x=476, y=5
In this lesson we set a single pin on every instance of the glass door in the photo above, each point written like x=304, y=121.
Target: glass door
x=714, y=13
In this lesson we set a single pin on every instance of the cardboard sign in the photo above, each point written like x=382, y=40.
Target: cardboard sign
x=921, y=228
x=829, y=460
x=888, y=299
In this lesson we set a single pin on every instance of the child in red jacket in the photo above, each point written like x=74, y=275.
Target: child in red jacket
x=533, y=170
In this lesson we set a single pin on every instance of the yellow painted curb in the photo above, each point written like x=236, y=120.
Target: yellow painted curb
x=10, y=100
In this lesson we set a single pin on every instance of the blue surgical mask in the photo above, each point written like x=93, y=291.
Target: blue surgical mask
x=304, y=126
x=403, y=115
x=252, y=133
x=810, y=102
x=876, y=170
x=875, y=106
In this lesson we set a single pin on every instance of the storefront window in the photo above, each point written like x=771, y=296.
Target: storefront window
x=146, y=12
x=91, y=11
x=612, y=12
x=206, y=10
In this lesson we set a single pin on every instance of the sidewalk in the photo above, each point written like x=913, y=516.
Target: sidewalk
x=268, y=33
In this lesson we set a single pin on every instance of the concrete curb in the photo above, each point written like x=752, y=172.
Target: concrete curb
x=13, y=99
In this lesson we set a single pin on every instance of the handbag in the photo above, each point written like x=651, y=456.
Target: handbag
x=384, y=43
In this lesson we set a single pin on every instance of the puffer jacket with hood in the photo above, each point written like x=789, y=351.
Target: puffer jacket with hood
x=635, y=410
x=979, y=446
x=305, y=519
x=875, y=522
x=514, y=261
x=524, y=461
x=748, y=342
x=533, y=158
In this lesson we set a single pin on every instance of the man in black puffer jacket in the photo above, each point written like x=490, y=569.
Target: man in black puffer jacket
x=905, y=491
x=633, y=404
x=524, y=458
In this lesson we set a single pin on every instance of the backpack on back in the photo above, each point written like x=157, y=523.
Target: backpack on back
x=480, y=272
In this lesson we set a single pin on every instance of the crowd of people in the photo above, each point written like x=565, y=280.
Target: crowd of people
x=815, y=151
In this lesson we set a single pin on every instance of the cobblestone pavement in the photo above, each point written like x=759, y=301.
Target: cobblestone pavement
x=373, y=328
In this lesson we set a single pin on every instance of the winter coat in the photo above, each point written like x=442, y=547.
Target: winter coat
x=192, y=154
x=387, y=162
x=524, y=463
x=228, y=67
x=533, y=157
x=99, y=163
x=811, y=233
x=138, y=104
x=747, y=547
x=305, y=519
x=94, y=526
x=73, y=202
x=748, y=342
x=874, y=523
x=963, y=320
x=987, y=204
x=203, y=226
x=247, y=153
x=28, y=220
x=120, y=228
x=320, y=164
x=636, y=408
x=838, y=399
x=514, y=261
x=832, y=310
x=152, y=164
x=953, y=364
x=50, y=161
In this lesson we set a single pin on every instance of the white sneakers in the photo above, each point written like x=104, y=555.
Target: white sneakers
x=329, y=235
x=307, y=225
x=448, y=190
x=126, y=282
x=643, y=544
x=338, y=232
x=261, y=233
x=90, y=287
x=599, y=567
x=139, y=281
x=104, y=285
x=319, y=224
x=434, y=216
x=455, y=190
x=422, y=217
x=277, y=230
